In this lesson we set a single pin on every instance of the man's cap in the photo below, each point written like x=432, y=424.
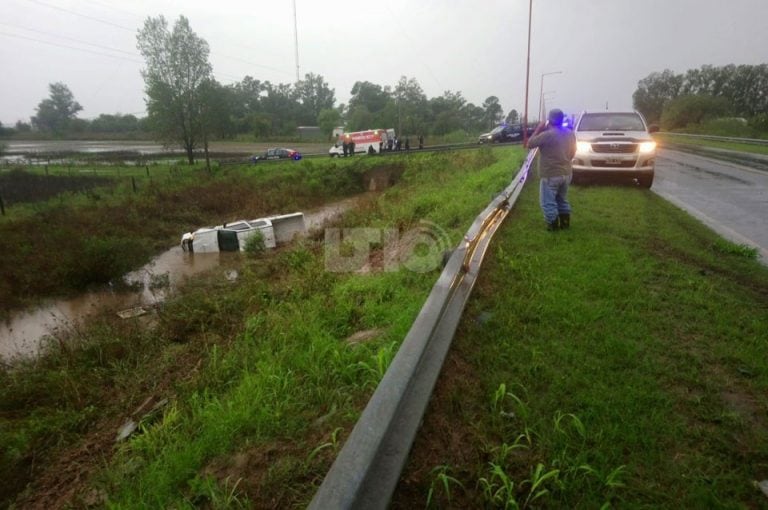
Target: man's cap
x=556, y=117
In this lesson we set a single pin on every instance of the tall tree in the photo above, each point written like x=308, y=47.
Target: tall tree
x=214, y=114
x=328, y=119
x=512, y=117
x=412, y=107
x=177, y=68
x=315, y=95
x=493, y=111
x=447, y=110
x=653, y=91
x=473, y=117
x=55, y=113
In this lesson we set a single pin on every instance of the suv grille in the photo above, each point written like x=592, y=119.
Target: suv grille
x=614, y=148
x=601, y=163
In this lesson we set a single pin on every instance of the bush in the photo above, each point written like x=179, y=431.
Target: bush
x=759, y=123
x=254, y=245
x=692, y=109
x=726, y=126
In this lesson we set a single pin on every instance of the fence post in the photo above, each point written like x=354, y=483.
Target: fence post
x=46, y=170
x=133, y=183
x=2, y=206
x=147, y=167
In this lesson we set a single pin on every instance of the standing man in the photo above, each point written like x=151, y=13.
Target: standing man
x=345, y=145
x=557, y=146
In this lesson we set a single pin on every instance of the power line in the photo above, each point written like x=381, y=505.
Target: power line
x=74, y=13
x=51, y=34
x=59, y=45
x=116, y=9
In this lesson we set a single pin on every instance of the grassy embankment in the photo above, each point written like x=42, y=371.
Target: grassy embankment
x=74, y=240
x=262, y=385
x=620, y=362
x=672, y=141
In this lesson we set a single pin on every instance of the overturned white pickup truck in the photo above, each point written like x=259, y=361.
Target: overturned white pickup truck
x=233, y=236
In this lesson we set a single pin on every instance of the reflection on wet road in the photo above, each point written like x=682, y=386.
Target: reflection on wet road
x=729, y=198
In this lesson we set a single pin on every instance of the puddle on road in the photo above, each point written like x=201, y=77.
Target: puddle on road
x=24, y=332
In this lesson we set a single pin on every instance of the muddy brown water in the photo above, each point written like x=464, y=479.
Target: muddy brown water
x=25, y=332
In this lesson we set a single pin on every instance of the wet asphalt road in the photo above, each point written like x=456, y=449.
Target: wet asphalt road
x=731, y=199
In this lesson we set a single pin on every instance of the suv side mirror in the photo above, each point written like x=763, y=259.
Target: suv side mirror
x=653, y=128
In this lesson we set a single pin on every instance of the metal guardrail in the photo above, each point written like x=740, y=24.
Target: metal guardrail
x=754, y=141
x=368, y=467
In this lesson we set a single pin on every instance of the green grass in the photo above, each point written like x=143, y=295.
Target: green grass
x=621, y=362
x=696, y=142
x=258, y=373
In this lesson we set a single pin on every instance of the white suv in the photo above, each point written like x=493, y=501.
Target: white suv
x=615, y=145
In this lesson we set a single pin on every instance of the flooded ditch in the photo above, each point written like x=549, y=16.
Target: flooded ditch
x=25, y=332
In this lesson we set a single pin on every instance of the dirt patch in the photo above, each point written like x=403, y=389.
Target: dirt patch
x=382, y=177
x=262, y=473
x=443, y=440
x=742, y=404
x=364, y=336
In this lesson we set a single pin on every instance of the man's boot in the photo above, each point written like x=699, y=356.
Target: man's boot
x=565, y=221
x=554, y=225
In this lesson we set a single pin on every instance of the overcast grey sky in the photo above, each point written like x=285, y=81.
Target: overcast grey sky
x=602, y=47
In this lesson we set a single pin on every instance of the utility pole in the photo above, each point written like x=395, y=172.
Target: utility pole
x=296, y=40
x=527, y=75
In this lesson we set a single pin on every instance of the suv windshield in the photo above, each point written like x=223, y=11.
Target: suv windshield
x=497, y=129
x=611, y=122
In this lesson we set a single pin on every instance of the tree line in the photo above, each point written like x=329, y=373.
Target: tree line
x=700, y=95
x=187, y=106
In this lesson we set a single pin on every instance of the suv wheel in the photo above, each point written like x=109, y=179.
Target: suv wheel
x=645, y=181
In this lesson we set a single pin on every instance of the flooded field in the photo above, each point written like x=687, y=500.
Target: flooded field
x=20, y=151
x=25, y=332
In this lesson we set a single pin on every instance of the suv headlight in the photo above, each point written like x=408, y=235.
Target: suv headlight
x=583, y=147
x=647, y=147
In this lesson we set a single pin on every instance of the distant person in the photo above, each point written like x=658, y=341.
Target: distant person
x=421, y=142
x=398, y=144
x=407, y=143
x=557, y=145
x=344, y=146
x=390, y=143
x=351, y=147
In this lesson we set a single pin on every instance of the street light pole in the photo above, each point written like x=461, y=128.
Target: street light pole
x=541, y=93
x=547, y=95
x=527, y=75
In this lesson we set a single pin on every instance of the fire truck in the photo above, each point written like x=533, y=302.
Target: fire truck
x=372, y=141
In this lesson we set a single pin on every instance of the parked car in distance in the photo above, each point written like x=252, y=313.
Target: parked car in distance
x=616, y=146
x=277, y=153
x=505, y=133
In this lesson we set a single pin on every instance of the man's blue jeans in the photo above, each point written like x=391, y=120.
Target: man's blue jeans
x=554, y=196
